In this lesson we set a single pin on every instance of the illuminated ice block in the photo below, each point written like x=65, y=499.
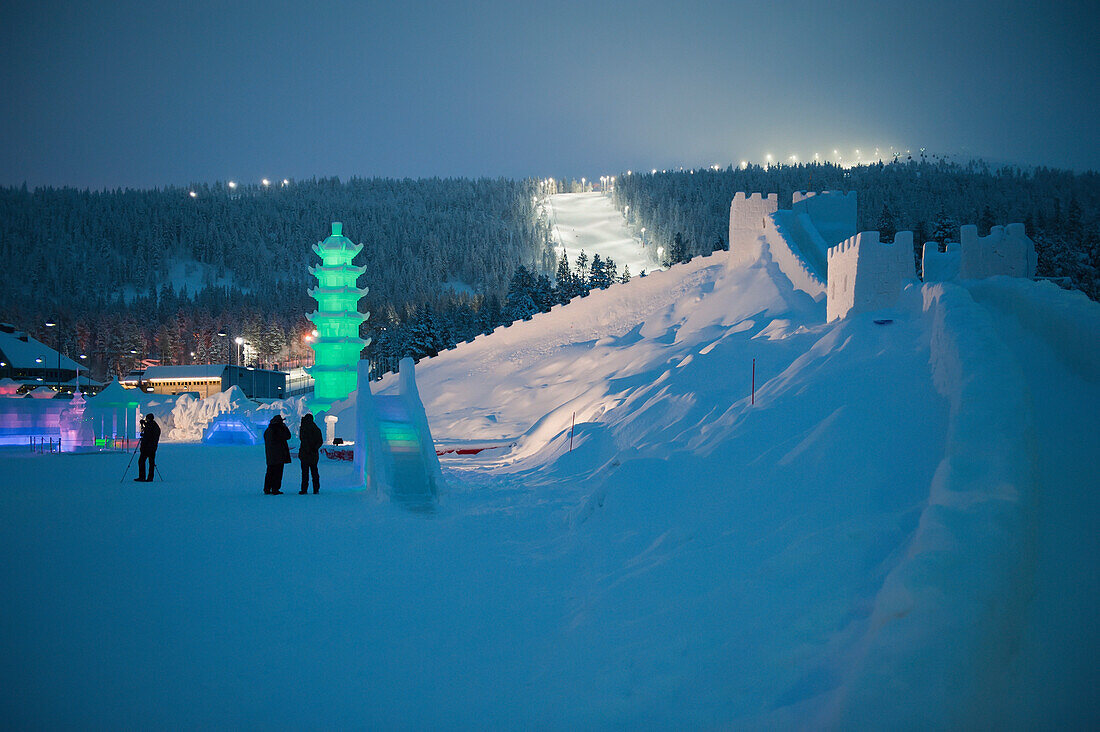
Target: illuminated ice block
x=394, y=450
x=337, y=319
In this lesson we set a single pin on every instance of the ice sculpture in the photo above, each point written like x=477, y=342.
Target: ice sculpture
x=337, y=319
x=76, y=429
x=394, y=450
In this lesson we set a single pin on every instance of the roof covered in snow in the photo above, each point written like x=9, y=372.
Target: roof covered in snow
x=196, y=371
x=23, y=354
x=116, y=395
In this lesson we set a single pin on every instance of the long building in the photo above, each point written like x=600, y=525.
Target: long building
x=203, y=380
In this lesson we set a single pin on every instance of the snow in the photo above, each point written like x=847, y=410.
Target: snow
x=899, y=533
x=189, y=276
x=588, y=221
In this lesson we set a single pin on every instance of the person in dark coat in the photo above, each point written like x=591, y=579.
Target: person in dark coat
x=277, y=450
x=309, y=452
x=147, y=447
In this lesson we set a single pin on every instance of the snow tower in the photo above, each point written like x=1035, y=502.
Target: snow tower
x=337, y=318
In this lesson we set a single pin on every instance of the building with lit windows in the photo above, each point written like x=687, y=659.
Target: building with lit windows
x=205, y=380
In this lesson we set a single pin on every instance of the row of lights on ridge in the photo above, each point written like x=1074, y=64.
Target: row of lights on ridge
x=232, y=185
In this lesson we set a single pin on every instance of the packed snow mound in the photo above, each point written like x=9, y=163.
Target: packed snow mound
x=911, y=438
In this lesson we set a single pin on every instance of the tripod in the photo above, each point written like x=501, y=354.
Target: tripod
x=132, y=454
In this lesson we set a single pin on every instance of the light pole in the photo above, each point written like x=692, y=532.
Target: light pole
x=223, y=334
x=239, y=341
x=51, y=324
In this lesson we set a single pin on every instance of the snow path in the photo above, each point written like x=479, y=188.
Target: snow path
x=1054, y=677
x=588, y=221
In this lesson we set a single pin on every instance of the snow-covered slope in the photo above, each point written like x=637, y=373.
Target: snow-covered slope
x=894, y=531
x=588, y=221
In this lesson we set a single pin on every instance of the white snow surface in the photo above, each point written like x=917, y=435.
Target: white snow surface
x=897, y=534
x=588, y=221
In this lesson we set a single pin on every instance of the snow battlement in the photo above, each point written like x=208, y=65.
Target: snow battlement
x=748, y=219
x=865, y=274
x=1008, y=250
x=937, y=266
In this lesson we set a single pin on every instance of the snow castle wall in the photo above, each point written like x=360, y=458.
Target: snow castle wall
x=823, y=219
x=865, y=274
x=1006, y=251
x=937, y=266
x=748, y=220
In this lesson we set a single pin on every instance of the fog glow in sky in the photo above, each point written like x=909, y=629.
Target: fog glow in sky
x=144, y=94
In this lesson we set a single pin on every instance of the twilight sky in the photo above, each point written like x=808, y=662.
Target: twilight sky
x=151, y=93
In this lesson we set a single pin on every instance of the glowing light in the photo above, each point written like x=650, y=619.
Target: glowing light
x=232, y=184
x=238, y=340
x=286, y=182
x=336, y=352
x=654, y=171
x=744, y=164
x=193, y=194
x=794, y=158
x=266, y=182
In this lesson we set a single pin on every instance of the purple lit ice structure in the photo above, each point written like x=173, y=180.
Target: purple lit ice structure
x=230, y=429
x=23, y=418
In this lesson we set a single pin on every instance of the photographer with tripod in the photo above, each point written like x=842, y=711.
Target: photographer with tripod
x=150, y=438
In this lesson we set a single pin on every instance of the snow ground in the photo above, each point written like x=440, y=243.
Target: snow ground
x=588, y=221
x=897, y=534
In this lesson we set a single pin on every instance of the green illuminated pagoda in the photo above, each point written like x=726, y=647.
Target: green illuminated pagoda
x=338, y=345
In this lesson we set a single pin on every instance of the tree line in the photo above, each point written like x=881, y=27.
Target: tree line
x=102, y=262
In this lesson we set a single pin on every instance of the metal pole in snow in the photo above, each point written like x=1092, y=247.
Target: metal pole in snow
x=753, y=398
x=571, y=426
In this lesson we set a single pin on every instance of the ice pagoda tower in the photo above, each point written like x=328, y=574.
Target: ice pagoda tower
x=337, y=346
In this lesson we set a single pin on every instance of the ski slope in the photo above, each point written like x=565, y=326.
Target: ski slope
x=894, y=531
x=588, y=221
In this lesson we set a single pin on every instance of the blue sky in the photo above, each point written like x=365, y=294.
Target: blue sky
x=143, y=94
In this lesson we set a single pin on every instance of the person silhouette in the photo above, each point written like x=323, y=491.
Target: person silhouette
x=309, y=452
x=277, y=452
x=147, y=447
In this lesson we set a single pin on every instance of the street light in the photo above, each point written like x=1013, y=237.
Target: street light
x=239, y=341
x=51, y=324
